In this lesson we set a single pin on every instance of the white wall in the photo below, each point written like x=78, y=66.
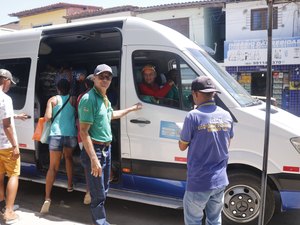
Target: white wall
x=238, y=20
x=195, y=15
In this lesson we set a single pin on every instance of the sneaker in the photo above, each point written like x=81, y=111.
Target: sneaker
x=11, y=217
x=46, y=206
x=87, y=198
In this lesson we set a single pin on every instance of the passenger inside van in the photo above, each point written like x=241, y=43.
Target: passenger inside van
x=46, y=86
x=173, y=75
x=149, y=89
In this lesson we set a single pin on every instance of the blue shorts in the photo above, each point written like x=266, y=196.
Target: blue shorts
x=57, y=143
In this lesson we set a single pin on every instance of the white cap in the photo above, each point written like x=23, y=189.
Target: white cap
x=102, y=68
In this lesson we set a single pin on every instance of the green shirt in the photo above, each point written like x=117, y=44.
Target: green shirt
x=92, y=110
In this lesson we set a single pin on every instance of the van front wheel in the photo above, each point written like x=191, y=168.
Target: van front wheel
x=242, y=200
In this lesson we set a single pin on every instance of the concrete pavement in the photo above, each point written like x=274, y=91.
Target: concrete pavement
x=28, y=217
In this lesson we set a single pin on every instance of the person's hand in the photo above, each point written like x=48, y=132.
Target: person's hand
x=96, y=169
x=171, y=83
x=22, y=116
x=15, y=153
x=137, y=106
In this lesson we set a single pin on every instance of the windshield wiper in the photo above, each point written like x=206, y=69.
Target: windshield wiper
x=255, y=102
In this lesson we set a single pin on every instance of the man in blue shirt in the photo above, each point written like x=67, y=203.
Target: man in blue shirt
x=206, y=132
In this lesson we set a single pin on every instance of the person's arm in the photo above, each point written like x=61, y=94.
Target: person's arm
x=9, y=132
x=73, y=101
x=120, y=113
x=185, y=134
x=160, y=93
x=48, y=112
x=22, y=116
x=183, y=145
x=96, y=169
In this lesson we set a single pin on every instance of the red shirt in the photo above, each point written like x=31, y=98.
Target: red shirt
x=154, y=90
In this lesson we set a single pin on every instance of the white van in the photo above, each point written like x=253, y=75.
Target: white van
x=149, y=166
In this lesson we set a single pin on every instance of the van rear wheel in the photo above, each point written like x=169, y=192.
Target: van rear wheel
x=242, y=200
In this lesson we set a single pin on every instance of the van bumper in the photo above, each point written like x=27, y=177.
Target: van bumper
x=289, y=188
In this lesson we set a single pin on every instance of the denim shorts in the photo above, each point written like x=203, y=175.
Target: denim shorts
x=57, y=143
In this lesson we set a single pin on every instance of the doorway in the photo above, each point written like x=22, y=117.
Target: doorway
x=258, y=83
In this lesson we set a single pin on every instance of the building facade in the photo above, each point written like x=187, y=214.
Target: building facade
x=50, y=15
x=201, y=21
x=245, y=51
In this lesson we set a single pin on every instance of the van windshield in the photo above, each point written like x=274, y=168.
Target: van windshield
x=224, y=78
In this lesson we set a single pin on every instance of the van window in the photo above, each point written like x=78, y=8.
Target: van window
x=19, y=68
x=224, y=78
x=156, y=90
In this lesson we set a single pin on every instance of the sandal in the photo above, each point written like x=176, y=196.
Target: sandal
x=87, y=198
x=70, y=189
x=46, y=206
x=3, y=207
x=11, y=217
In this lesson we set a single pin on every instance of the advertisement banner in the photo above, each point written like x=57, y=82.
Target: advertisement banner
x=254, y=52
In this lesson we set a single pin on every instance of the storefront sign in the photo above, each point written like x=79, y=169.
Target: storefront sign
x=254, y=52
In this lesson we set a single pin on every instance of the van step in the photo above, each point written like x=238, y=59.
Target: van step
x=174, y=203
x=58, y=182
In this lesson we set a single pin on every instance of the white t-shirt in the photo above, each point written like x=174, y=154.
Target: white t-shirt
x=6, y=111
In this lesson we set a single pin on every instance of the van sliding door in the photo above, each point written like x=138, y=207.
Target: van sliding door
x=19, y=54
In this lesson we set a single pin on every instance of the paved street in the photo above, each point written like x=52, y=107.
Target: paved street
x=67, y=209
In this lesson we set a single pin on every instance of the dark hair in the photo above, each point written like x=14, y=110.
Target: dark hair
x=89, y=83
x=63, y=86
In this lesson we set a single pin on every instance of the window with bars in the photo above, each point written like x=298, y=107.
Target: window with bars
x=259, y=18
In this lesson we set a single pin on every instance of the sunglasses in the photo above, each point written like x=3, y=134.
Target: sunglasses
x=104, y=77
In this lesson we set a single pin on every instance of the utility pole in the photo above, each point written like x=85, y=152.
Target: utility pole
x=267, y=120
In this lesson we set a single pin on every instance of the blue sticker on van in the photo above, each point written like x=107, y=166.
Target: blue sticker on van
x=170, y=130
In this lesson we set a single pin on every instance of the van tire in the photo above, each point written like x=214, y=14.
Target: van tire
x=245, y=186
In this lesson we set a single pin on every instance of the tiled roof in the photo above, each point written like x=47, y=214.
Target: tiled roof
x=144, y=9
x=102, y=12
x=53, y=7
x=180, y=5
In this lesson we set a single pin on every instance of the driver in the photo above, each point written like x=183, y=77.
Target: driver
x=150, y=87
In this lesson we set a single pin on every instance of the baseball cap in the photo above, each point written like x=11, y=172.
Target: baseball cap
x=102, y=68
x=5, y=73
x=90, y=77
x=148, y=67
x=204, y=84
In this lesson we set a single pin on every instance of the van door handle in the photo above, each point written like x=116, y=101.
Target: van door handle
x=140, y=121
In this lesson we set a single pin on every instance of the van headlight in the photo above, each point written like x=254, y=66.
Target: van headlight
x=296, y=143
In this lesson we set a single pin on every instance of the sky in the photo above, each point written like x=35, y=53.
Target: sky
x=14, y=6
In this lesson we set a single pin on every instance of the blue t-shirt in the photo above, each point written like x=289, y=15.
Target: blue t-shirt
x=208, y=130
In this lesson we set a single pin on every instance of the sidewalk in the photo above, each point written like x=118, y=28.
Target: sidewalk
x=28, y=217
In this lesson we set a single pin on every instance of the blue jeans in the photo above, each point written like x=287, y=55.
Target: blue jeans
x=195, y=202
x=98, y=185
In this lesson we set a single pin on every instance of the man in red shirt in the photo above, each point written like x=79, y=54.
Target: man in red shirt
x=149, y=87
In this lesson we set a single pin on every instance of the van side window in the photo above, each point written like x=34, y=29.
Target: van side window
x=187, y=76
x=163, y=78
x=20, y=69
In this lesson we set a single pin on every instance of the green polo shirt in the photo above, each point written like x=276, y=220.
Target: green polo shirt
x=92, y=110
